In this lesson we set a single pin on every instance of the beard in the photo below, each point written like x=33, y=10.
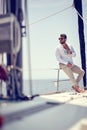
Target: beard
x=62, y=42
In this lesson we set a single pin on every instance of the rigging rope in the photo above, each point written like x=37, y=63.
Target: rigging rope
x=44, y=18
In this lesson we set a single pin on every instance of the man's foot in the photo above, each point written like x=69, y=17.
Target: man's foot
x=77, y=89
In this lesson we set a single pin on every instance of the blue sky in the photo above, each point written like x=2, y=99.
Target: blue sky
x=44, y=34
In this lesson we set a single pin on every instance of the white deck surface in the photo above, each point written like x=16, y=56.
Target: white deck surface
x=63, y=111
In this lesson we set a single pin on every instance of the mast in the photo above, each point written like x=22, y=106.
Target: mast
x=78, y=7
x=28, y=43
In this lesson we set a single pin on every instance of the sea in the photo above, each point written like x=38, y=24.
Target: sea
x=44, y=86
x=47, y=86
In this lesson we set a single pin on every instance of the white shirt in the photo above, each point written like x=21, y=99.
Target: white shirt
x=62, y=55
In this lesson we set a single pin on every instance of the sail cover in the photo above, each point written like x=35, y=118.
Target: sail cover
x=78, y=6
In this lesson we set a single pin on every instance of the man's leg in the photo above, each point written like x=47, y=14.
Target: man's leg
x=69, y=73
x=79, y=71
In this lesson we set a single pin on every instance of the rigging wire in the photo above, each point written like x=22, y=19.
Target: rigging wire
x=44, y=18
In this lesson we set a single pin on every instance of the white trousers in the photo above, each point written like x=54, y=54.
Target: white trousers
x=70, y=70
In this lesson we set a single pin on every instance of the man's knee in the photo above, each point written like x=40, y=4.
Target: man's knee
x=82, y=72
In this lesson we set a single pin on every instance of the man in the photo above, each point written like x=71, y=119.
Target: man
x=64, y=54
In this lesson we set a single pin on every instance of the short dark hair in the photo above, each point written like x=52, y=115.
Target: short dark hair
x=63, y=35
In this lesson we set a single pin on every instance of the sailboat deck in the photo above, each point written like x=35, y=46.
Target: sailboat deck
x=60, y=111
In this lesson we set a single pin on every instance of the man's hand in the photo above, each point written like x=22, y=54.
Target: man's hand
x=69, y=51
x=69, y=65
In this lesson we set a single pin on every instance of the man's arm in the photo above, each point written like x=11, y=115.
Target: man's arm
x=72, y=52
x=58, y=57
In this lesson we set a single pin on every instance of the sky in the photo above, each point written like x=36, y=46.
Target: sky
x=44, y=35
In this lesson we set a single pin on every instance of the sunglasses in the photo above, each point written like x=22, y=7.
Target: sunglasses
x=61, y=38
